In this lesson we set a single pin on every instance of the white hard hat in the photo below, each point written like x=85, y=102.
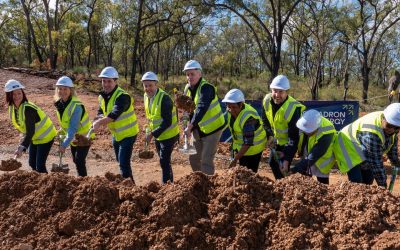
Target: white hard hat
x=13, y=85
x=309, y=121
x=149, y=76
x=392, y=114
x=280, y=82
x=65, y=81
x=109, y=72
x=192, y=64
x=234, y=96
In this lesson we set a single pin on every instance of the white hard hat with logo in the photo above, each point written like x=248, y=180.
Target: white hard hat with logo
x=280, y=82
x=12, y=85
x=234, y=96
x=149, y=76
x=65, y=81
x=192, y=64
x=392, y=114
x=109, y=72
x=309, y=121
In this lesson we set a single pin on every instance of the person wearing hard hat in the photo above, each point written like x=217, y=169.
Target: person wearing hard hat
x=317, y=135
x=393, y=88
x=163, y=122
x=360, y=146
x=280, y=114
x=117, y=111
x=207, y=121
x=248, y=134
x=37, y=128
x=73, y=119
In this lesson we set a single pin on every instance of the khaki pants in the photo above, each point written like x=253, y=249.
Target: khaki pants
x=206, y=148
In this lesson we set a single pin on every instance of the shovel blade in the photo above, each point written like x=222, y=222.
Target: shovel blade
x=188, y=151
x=57, y=168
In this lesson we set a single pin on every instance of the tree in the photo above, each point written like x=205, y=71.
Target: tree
x=366, y=31
x=267, y=21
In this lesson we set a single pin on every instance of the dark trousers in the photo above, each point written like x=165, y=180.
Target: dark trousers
x=275, y=165
x=123, y=153
x=164, y=151
x=38, y=156
x=79, y=157
x=361, y=175
x=251, y=161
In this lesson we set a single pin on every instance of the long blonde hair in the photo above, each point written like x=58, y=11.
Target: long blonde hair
x=56, y=97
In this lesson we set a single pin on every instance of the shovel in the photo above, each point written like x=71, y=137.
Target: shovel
x=146, y=153
x=188, y=147
x=393, y=179
x=60, y=167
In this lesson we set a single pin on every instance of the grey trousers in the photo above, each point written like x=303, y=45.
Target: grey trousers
x=206, y=148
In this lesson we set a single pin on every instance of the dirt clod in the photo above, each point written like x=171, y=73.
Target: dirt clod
x=184, y=102
x=10, y=165
x=82, y=141
x=146, y=154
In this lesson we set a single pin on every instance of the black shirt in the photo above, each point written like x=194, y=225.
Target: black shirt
x=121, y=105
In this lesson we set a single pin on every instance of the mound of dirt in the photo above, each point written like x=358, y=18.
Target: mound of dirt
x=10, y=165
x=236, y=210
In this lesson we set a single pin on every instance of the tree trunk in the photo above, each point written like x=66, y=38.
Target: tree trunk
x=53, y=63
x=135, y=59
x=32, y=31
x=29, y=47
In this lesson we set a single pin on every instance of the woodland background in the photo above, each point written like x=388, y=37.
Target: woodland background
x=327, y=48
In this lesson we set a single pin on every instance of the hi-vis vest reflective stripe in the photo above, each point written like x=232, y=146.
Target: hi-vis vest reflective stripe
x=154, y=115
x=44, y=129
x=348, y=150
x=84, y=124
x=214, y=118
x=327, y=160
x=237, y=131
x=126, y=124
x=279, y=123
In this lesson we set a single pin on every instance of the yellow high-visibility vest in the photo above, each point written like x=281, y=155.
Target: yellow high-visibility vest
x=237, y=131
x=153, y=114
x=84, y=124
x=348, y=151
x=283, y=115
x=126, y=124
x=44, y=129
x=214, y=117
x=327, y=160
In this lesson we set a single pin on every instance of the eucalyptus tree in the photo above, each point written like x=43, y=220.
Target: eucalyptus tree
x=365, y=30
x=54, y=19
x=267, y=20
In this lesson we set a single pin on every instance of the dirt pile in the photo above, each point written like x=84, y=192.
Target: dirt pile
x=237, y=210
x=10, y=165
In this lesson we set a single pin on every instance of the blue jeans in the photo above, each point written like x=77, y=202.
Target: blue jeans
x=359, y=175
x=164, y=151
x=38, y=156
x=123, y=153
x=79, y=157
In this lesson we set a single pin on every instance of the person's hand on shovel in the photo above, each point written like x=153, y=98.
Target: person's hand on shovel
x=19, y=151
